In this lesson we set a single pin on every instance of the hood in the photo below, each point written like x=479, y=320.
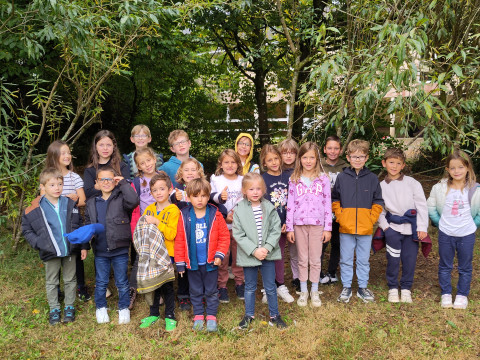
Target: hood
x=35, y=204
x=247, y=162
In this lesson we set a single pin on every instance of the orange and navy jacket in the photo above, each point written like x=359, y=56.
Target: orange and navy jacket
x=357, y=201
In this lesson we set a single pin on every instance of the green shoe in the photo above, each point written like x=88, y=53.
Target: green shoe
x=145, y=323
x=170, y=324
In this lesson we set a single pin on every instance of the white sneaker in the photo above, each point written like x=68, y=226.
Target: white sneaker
x=264, y=297
x=124, y=316
x=303, y=299
x=283, y=293
x=406, y=296
x=333, y=279
x=315, y=298
x=325, y=280
x=446, y=301
x=102, y=315
x=393, y=296
x=461, y=302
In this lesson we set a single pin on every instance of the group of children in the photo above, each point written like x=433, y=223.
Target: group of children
x=241, y=221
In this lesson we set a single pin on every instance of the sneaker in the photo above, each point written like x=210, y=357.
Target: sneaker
x=108, y=293
x=393, y=296
x=296, y=285
x=283, y=293
x=133, y=296
x=277, y=320
x=124, y=316
x=223, y=296
x=406, y=296
x=446, y=301
x=148, y=321
x=325, y=280
x=303, y=299
x=240, y=290
x=345, y=295
x=264, y=297
x=315, y=299
x=461, y=302
x=212, y=325
x=102, y=315
x=54, y=317
x=170, y=324
x=198, y=325
x=230, y=273
x=333, y=279
x=365, y=294
x=245, y=322
x=68, y=314
x=185, y=304
x=83, y=294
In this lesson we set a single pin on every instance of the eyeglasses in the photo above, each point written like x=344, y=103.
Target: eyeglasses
x=358, y=158
x=104, y=180
x=244, y=144
x=141, y=136
x=289, y=153
x=178, y=143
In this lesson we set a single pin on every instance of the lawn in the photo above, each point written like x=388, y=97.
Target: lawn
x=338, y=331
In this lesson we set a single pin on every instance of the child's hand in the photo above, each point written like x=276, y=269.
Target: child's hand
x=224, y=194
x=260, y=253
x=284, y=228
x=291, y=236
x=217, y=262
x=326, y=236
x=83, y=254
x=181, y=273
x=117, y=179
x=152, y=220
x=421, y=235
x=229, y=218
x=73, y=196
x=178, y=195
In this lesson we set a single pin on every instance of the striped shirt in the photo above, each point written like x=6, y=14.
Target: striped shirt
x=71, y=182
x=257, y=213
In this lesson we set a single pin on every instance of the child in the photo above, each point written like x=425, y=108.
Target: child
x=357, y=203
x=257, y=246
x=180, y=145
x=189, y=169
x=201, y=244
x=401, y=193
x=309, y=218
x=103, y=153
x=165, y=216
x=276, y=182
x=141, y=137
x=454, y=206
x=227, y=187
x=43, y=224
x=60, y=158
x=244, y=149
x=112, y=209
x=333, y=166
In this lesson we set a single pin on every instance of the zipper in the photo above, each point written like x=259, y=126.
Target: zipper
x=356, y=204
x=61, y=224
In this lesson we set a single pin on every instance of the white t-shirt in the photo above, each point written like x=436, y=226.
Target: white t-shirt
x=234, y=191
x=71, y=182
x=456, y=219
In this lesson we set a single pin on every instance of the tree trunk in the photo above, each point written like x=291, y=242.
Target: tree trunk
x=261, y=101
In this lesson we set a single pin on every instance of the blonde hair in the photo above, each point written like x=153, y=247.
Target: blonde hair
x=175, y=134
x=179, y=174
x=197, y=186
x=358, y=145
x=137, y=129
x=49, y=173
x=470, y=177
x=287, y=144
x=140, y=152
x=233, y=154
x=306, y=147
x=251, y=177
x=267, y=149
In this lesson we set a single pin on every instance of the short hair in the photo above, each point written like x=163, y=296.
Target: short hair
x=49, y=173
x=175, y=134
x=161, y=176
x=233, y=154
x=107, y=168
x=358, y=145
x=137, y=129
x=333, y=138
x=287, y=144
x=266, y=149
x=179, y=175
x=395, y=153
x=250, y=178
x=197, y=186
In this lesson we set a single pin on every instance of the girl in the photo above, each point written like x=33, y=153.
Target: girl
x=257, y=246
x=276, y=182
x=189, y=169
x=454, y=206
x=309, y=218
x=104, y=152
x=244, y=149
x=227, y=189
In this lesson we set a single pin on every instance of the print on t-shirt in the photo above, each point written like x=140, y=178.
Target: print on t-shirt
x=201, y=241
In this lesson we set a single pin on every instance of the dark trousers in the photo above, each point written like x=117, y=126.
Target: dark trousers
x=203, y=283
x=334, y=250
x=400, y=248
x=166, y=291
x=80, y=270
x=133, y=273
x=183, y=291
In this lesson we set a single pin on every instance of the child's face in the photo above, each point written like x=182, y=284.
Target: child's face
x=65, y=156
x=229, y=166
x=53, y=188
x=394, y=167
x=181, y=146
x=104, y=149
x=106, y=180
x=254, y=192
x=160, y=191
x=289, y=157
x=199, y=201
x=357, y=159
x=272, y=162
x=457, y=170
x=309, y=160
x=190, y=172
x=140, y=140
x=332, y=150
x=146, y=163
x=243, y=146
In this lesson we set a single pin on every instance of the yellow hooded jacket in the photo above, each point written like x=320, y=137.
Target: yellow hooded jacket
x=247, y=167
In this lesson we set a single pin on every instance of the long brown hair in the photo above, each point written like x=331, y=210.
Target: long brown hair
x=53, y=156
x=306, y=147
x=115, y=158
x=458, y=154
x=233, y=154
x=266, y=149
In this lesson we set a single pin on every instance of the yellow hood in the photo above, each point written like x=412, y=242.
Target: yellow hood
x=246, y=166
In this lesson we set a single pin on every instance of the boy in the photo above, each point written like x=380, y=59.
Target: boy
x=43, y=225
x=180, y=145
x=113, y=210
x=357, y=203
x=141, y=137
x=202, y=241
x=333, y=166
x=401, y=194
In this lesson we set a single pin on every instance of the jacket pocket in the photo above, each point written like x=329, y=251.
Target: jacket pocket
x=121, y=221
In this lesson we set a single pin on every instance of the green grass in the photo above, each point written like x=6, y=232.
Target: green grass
x=338, y=331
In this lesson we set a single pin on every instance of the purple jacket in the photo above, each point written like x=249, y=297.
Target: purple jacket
x=309, y=205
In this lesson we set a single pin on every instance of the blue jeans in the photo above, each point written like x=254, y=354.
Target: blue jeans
x=268, y=277
x=463, y=245
x=102, y=268
x=349, y=244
